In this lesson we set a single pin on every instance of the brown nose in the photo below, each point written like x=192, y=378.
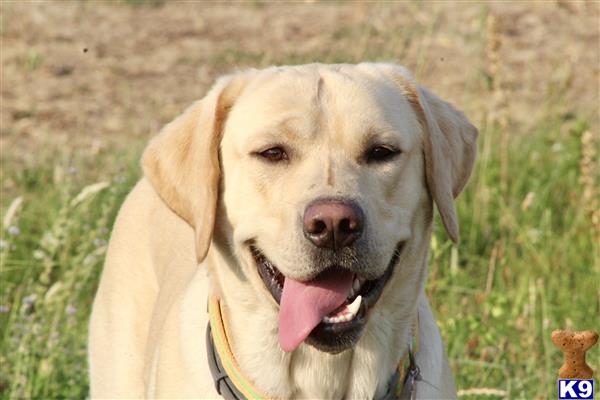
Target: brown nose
x=333, y=224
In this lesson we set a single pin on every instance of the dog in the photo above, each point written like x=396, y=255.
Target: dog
x=298, y=202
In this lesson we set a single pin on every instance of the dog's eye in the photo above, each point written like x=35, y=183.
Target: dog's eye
x=381, y=154
x=274, y=154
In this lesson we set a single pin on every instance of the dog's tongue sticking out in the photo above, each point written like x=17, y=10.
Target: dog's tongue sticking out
x=304, y=304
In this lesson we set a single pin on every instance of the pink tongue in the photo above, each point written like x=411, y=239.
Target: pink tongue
x=304, y=304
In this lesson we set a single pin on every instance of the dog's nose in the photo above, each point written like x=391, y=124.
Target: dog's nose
x=333, y=224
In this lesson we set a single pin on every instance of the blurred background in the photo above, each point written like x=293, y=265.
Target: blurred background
x=85, y=84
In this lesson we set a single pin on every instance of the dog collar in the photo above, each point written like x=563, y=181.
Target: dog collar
x=231, y=383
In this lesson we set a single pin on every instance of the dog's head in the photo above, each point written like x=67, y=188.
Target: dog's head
x=318, y=179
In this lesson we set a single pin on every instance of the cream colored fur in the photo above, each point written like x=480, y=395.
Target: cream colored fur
x=183, y=232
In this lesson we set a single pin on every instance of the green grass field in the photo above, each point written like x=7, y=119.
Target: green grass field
x=528, y=261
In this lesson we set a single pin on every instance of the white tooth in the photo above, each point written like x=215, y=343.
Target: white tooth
x=353, y=308
x=345, y=318
x=348, y=315
x=356, y=285
x=351, y=294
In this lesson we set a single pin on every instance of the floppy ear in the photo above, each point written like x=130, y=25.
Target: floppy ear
x=450, y=141
x=450, y=146
x=182, y=161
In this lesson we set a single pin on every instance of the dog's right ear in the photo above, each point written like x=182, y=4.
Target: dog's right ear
x=182, y=161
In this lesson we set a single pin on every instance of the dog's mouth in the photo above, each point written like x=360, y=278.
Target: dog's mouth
x=328, y=312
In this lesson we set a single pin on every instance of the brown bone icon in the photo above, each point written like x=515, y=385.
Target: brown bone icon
x=574, y=345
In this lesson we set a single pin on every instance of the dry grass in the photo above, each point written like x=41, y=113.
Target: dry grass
x=91, y=74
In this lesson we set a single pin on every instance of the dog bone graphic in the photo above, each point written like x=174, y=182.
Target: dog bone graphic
x=574, y=345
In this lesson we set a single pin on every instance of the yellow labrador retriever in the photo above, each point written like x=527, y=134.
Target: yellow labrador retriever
x=297, y=202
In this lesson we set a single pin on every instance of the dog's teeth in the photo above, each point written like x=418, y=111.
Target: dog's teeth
x=355, y=285
x=353, y=308
x=347, y=314
x=351, y=294
x=344, y=318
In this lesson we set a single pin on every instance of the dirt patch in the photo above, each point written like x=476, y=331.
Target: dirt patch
x=87, y=75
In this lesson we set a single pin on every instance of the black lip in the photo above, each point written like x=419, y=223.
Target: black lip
x=330, y=337
x=272, y=278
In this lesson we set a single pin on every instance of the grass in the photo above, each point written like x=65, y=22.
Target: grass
x=51, y=250
x=528, y=261
x=527, y=264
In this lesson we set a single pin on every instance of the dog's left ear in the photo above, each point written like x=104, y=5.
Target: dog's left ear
x=450, y=146
x=449, y=143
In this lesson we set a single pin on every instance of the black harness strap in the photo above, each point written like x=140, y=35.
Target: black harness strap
x=413, y=375
x=223, y=384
